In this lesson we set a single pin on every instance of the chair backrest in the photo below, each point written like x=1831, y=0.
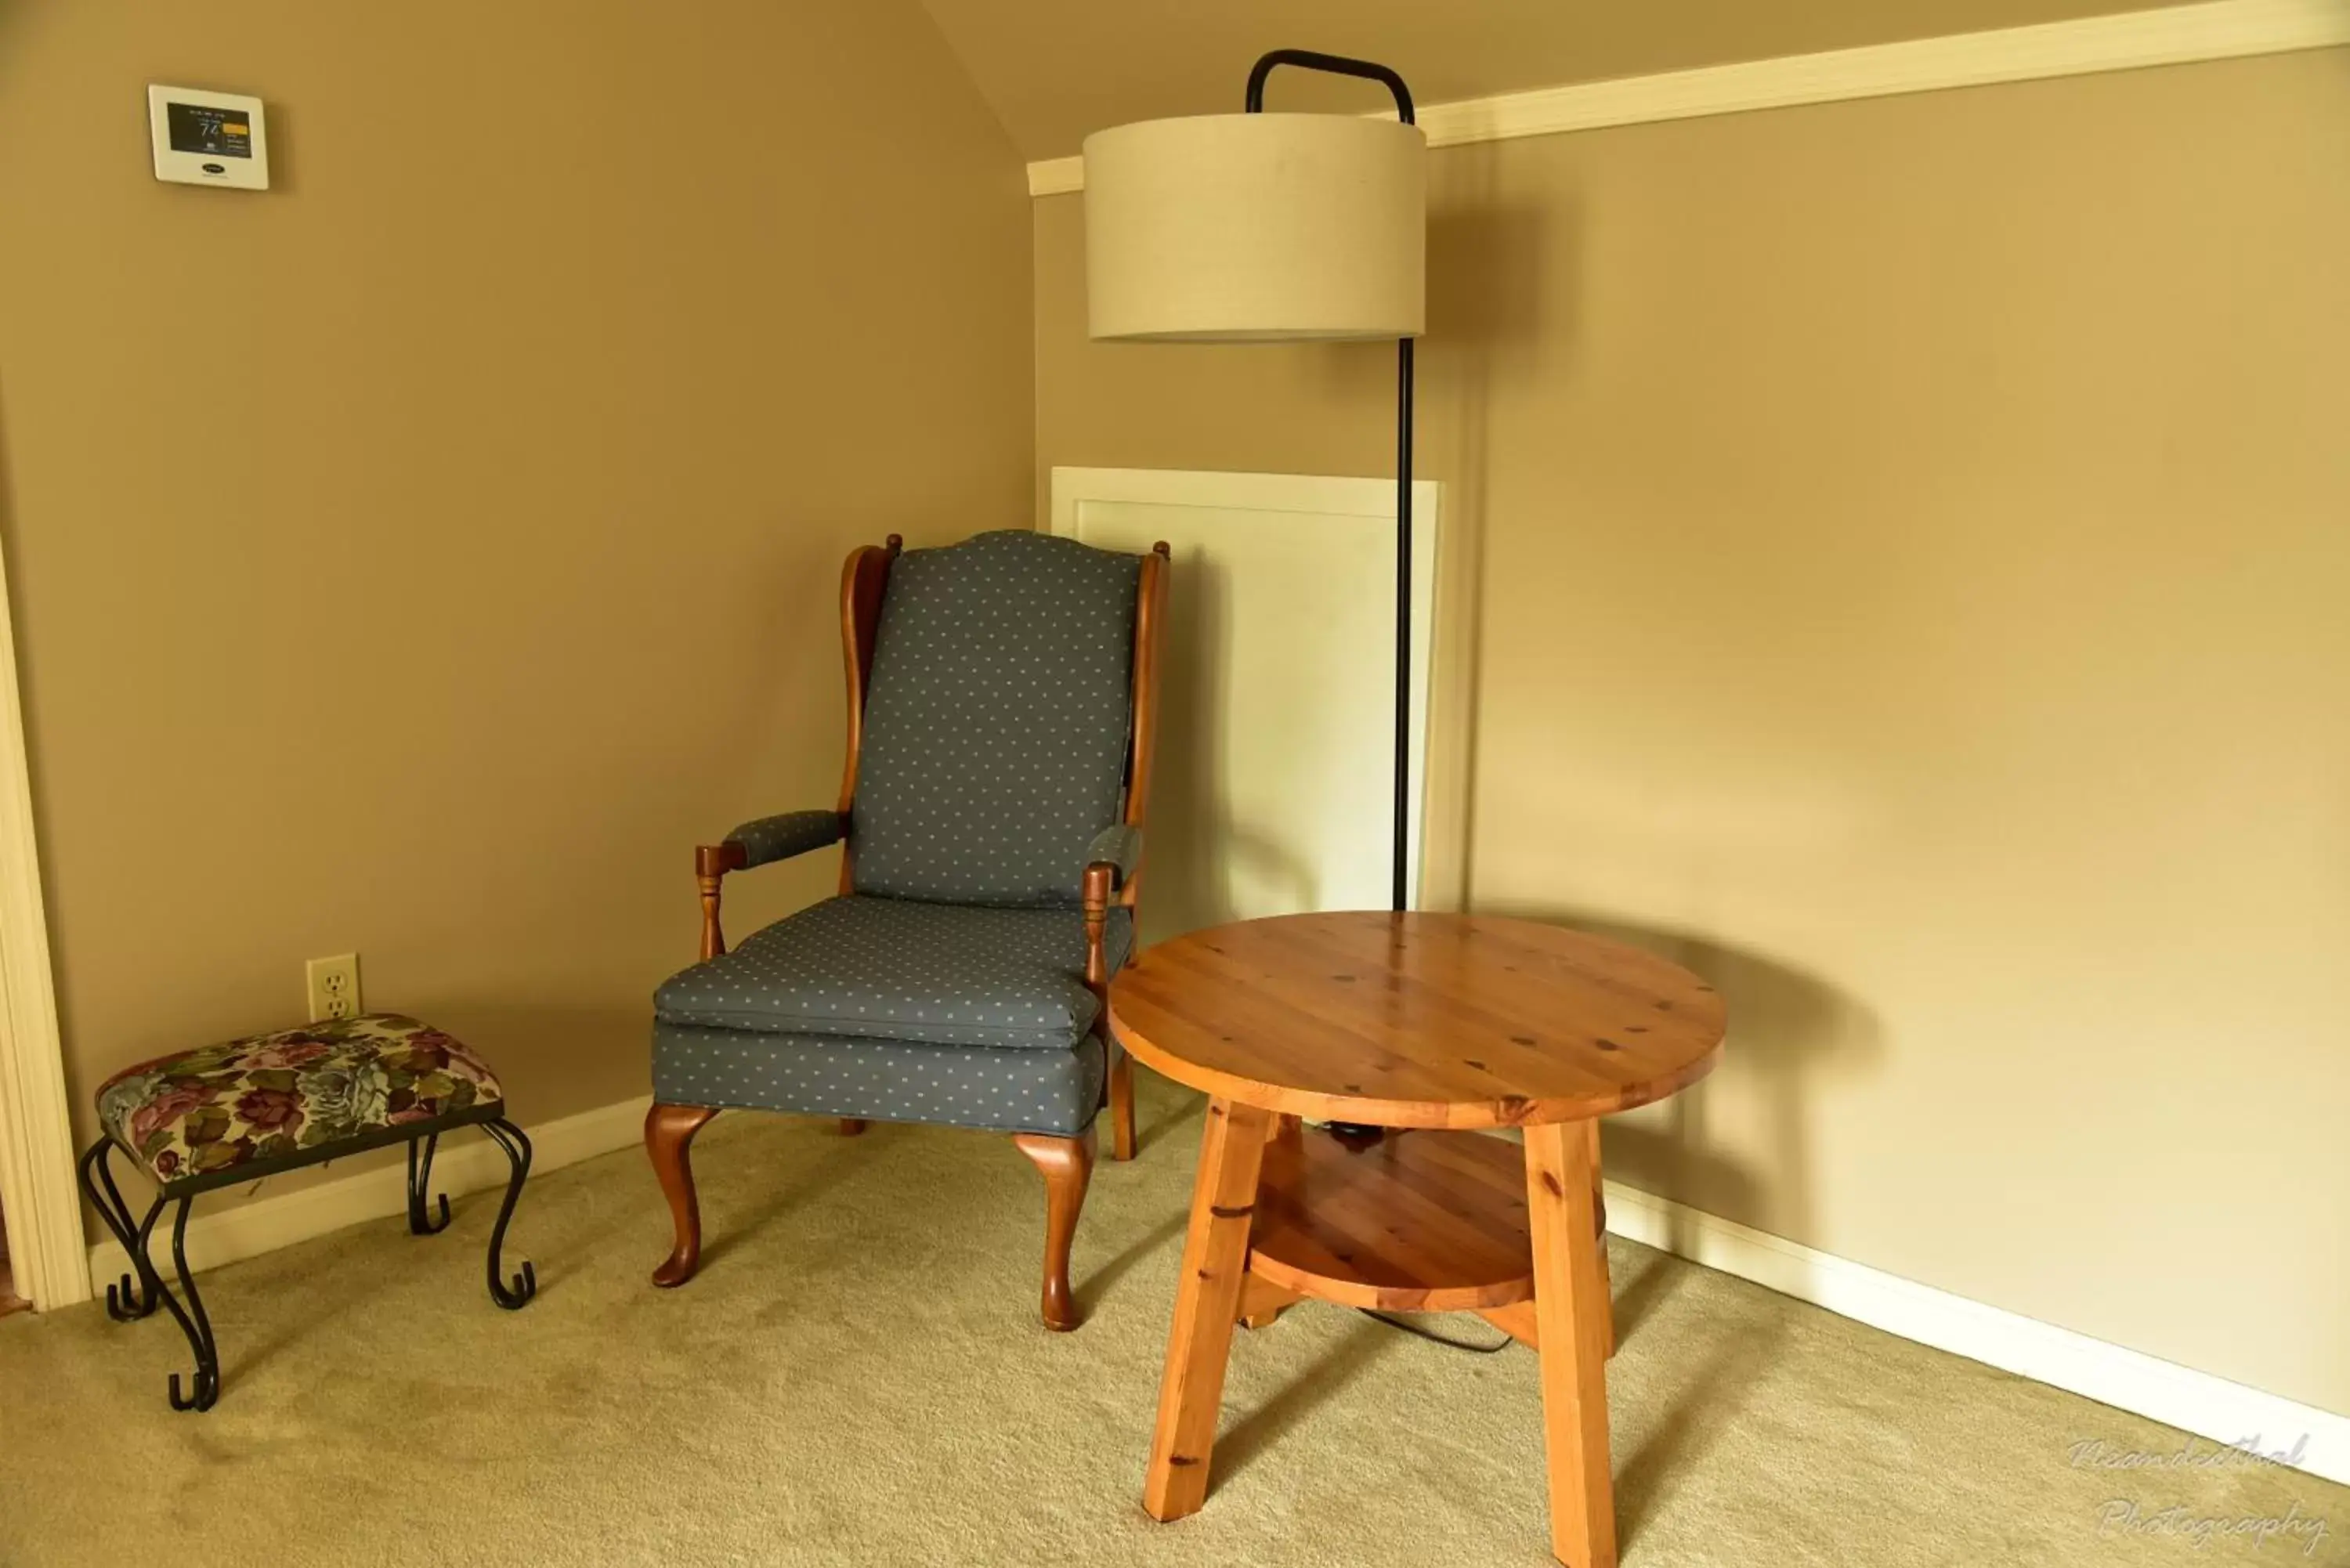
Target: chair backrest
x=996, y=721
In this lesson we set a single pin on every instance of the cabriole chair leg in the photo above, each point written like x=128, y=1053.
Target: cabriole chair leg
x=669, y=1142
x=1068, y=1164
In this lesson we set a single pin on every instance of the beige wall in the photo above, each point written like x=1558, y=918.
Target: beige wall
x=421, y=557
x=1908, y=544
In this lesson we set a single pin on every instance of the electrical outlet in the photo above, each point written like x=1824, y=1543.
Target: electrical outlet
x=334, y=986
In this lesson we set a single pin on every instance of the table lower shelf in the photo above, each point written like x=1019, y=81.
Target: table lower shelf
x=1421, y=1222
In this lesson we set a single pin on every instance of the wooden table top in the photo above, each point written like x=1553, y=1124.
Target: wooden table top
x=1417, y=1021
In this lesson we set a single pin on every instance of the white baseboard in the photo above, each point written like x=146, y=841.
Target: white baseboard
x=2197, y=1402
x=465, y=1163
x=2131, y=40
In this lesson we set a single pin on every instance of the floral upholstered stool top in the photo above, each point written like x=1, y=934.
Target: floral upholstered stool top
x=269, y=1103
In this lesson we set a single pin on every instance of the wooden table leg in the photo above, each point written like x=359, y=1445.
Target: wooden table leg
x=1262, y=1301
x=1207, y=1303
x=1599, y=1226
x=1517, y=1321
x=1571, y=1314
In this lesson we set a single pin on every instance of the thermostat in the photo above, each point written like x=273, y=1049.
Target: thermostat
x=208, y=138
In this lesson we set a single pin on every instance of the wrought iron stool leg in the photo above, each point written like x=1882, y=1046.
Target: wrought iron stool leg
x=124, y=1305
x=151, y=1284
x=514, y=1296
x=193, y=1321
x=419, y=1181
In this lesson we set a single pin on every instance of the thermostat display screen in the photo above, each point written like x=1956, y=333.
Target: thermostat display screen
x=215, y=132
x=204, y=138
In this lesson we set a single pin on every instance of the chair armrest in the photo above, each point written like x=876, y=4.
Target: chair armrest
x=781, y=837
x=1119, y=848
x=1111, y=861
x=756, y=844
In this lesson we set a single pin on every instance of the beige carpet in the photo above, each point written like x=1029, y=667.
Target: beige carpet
x=858, y=1377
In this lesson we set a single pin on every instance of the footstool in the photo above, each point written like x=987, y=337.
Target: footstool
x=271, y=1103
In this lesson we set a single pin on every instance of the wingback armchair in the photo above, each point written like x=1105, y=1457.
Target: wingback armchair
x=1002, y=694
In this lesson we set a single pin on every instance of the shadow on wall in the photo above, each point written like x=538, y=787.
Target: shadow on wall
x=1487, y=312
x=1790, y=1032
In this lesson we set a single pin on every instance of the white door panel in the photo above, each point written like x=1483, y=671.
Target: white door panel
x=1273, y=788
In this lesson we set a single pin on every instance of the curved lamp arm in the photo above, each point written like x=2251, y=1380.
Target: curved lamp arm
x=1336, y=65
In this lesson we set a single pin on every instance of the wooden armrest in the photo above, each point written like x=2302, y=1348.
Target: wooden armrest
x=710, y=864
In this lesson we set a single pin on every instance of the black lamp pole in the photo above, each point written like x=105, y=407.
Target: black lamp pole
x=1339, y=65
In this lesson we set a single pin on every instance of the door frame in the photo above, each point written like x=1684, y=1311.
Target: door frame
x=1373, y=501
x=48, y=1251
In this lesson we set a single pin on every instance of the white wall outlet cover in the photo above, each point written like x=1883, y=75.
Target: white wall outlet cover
x=332, y=987
x=208, y=138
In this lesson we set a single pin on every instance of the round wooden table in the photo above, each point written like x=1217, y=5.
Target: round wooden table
x=1446, y=1021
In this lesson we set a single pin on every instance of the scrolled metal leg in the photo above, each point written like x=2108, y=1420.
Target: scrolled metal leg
x=124, y=1305
x=193, y=1321
x=151, y=1284
x=420, y=1182
x=515, y=1296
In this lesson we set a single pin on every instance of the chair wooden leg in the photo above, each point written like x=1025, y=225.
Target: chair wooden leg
x=1068, y=1164
x=669, y=1140
x=1121, y=1101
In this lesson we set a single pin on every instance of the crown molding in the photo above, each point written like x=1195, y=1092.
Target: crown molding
x=2179, y=35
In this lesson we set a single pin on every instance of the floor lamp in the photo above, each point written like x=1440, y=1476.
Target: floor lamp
x=1270, y=228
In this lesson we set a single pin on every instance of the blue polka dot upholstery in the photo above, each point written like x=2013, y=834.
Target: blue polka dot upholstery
x=1120, y=845
x=996, y=719
x=1052, y=1091
x=792, y=833
x=949, y=987
x=890, y=968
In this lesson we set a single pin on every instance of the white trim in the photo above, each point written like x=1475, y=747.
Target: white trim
x=464, y=1164
x=2177, y=35
x=1057, y=176
x=37, y=1154
x=2197, y=1402
x=1322, y=495
x=1326, y=495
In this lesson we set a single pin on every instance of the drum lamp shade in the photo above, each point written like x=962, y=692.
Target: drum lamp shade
x=1238, y=228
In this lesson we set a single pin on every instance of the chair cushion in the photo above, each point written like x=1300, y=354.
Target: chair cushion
x=1056, y=1092
x=996, y=719
x=890, y=968
x=268, y=1097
